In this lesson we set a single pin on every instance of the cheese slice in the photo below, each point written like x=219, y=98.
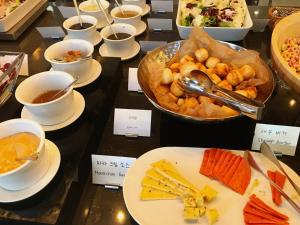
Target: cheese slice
x=166, y=169
x=149, y=182
x=154, y=194
x=191, y=213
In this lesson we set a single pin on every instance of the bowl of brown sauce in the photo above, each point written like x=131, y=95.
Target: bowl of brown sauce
x=123, y=41
x=44, y=97
x=20, y=140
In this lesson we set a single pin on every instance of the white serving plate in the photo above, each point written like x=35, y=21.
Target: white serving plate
x=188, y=160
x=219, y=33
x=19, y=13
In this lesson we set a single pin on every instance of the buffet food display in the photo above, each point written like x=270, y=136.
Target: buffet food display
x=240, y=71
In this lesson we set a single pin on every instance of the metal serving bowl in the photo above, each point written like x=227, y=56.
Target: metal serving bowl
x=164, y=54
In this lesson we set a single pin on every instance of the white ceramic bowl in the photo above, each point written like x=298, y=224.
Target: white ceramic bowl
x=218, y=33
x=30, y=172
x=76, y=68
x=140, y=3
x=52, y=112
x=286, y=28
x=87, y=34
x=134, y=21
x=85, y=8
x=119, y=47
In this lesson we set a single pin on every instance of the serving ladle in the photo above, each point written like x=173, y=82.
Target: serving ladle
x=199, y=82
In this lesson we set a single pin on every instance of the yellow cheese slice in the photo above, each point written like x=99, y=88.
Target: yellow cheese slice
x=154, y=194
x=149, y=182
x=208, y=193
x=191, y=213
x=166, y=169
x=212, y=216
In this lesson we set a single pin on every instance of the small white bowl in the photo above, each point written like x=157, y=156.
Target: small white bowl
x=134, y=21
x=78, y=69
x=31, y=171
x=119, y=47
x=98, y=14
x=85, y=34
x=52, y=112
x=140, y=3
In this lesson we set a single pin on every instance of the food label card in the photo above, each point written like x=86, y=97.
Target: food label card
x=133, y=84
x=148, y=46
x=281, y=138
x=110, y=170
x=10, y=58
x=51, y=32
x=159, y=24
x=67, y=11
x=162, y=6
x=132, y=122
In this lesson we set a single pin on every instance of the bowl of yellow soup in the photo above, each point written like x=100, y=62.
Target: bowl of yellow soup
x=22, y=154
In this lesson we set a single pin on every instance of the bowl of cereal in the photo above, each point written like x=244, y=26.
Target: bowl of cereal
x=229, y=66
x=285, y=50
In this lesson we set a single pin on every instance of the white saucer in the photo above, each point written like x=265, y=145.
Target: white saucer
x=94, y=73
x=104, y=52
x=110, y=19
x=146, y=10
x=53, y=155
x=95, y=40
x=79, y=105
x=141, y=29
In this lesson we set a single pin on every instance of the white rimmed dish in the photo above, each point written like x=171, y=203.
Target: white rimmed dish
x=52, y=112
x=91, y=8
x=31, y=171
x=119, y=47
x=134, y=20
x=219, y=33
x=87, y=34
x=76, y=68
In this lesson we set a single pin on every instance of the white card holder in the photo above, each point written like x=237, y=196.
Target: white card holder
x=158, y=24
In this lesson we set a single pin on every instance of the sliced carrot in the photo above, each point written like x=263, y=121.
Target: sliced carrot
x=271, y=175
x=256, y=202
x=279, y=180
x=231, y=170
x=250, y=218
x=210, y=162
x=216, y=161
x=249, y=209
x=241, y=178
x=217, y=167
x=226, y=165
x=204, y=163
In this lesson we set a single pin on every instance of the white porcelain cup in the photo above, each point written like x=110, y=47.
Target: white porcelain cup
x=31, y=171
x=87, y=34
x=119, y=47
x=78, y=69
x=52, y=112
x=140, y=3
x=134, y=21
x=91, y=8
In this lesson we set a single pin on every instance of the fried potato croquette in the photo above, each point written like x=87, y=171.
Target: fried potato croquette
x=211, y=62
x=176, y=89
x=204, y=99
x=167, y=76
x=222, y=69
x=242, y=92
x=215, y=78
x=234, y=77
x=201, y=55
x=191, y=102
x=225, y=84
x=175, y=67
x=180, y=101
x=252, y=92
x=186, y=68
x=247, y=71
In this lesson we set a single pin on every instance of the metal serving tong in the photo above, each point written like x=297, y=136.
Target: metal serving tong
x=268, y=153
x=252, y=162
x=199, y=82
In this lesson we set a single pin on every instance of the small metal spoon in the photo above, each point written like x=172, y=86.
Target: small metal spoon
x=64, y=89
x=61, y=59
x=199, y=82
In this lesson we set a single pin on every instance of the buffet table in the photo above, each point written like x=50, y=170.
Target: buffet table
x=71, y=198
